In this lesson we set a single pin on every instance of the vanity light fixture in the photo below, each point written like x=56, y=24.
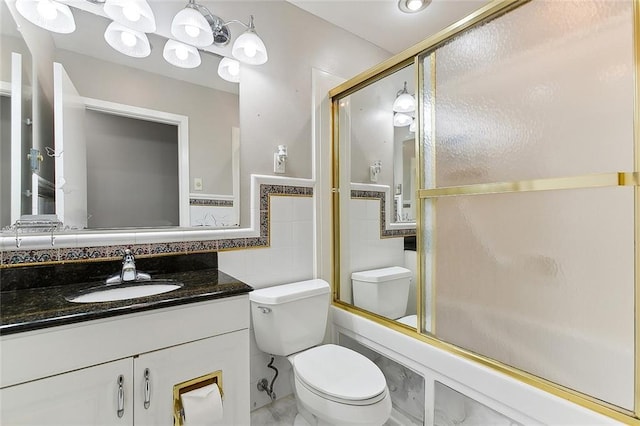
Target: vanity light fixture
x=249, y=48
x=191, y=25
x=413, y=6
x=401, y=119
x=136, y=14
x=127, y=41
x=197, y=26
x=181, y=55
x=229, y=69
x=48, y=14
x=404, y=101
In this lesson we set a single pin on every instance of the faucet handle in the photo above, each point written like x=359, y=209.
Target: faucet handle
x=128, y=256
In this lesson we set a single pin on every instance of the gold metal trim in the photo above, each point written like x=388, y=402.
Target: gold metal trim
x=636, y=145
x=188, y=386
x=545, y=184
x=599, y=406
x=419, y=137
x=405, y=57
x=335, y=196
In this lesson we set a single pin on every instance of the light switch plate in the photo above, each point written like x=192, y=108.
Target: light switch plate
x=197, y=184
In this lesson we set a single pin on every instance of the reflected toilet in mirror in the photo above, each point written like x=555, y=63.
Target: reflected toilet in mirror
x=385, y=292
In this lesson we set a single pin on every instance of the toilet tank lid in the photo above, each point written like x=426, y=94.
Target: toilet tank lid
x=381, y=275
x=289, y=292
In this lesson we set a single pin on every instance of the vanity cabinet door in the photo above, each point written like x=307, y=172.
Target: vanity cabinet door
x=89, y=397
x=163, y=369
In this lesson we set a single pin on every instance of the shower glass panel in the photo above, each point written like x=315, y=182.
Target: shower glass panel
x=543, y=91
x=542, y=281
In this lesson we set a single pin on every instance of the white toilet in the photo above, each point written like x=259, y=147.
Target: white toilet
x=333, y=385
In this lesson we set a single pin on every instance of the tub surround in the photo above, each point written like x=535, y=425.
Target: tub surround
x=33, y=298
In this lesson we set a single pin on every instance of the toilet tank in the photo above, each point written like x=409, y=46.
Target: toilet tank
x=289, y=318
x=382, y=291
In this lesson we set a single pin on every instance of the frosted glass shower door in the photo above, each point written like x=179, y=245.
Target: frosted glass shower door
x=519, y=267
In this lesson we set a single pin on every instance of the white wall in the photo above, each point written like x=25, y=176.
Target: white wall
x=288, y=259
x=276, y=100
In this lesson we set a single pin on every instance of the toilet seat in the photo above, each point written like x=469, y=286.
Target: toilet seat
x=340, y=375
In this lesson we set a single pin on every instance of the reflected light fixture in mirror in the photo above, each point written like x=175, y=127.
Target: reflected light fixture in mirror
x=400, y=119
x=135, y=14
x=404, y=101
x=127, y=41
x=181, y=55
x=403, y=107
x=48, y=14
x=413, y=6
x=229, y=69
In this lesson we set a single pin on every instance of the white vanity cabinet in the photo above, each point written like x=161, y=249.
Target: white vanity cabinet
x=84, y=397
x=96, y=372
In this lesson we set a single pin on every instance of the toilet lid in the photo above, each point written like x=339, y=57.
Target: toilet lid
x=339, y=372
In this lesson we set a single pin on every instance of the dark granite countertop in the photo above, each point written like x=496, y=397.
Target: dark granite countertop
x=41, y=307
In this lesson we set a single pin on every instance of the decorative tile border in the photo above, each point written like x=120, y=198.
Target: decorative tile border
x=210, y=202
x=9, y=258
x=381, y=196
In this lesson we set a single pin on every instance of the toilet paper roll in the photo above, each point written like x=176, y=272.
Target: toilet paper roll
x=202, y=406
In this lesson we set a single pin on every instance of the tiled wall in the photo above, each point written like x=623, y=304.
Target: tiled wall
x=288, y=258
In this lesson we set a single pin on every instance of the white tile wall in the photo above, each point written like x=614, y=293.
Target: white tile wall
x=368, y=250
x=289, y=258
x=290, y=255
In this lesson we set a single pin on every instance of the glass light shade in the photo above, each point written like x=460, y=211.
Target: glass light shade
x=401, y=120
x=48, y=14
x=136, y=14
x=229, y=69
x=181, y=55
x=127, y=41
x=191, y=27
x=250, y=49
x=404, y=103
x=412, y=127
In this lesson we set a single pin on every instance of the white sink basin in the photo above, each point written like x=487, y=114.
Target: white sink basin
x=125, y=291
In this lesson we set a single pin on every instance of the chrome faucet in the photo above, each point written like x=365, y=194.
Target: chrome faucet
x=128, y=272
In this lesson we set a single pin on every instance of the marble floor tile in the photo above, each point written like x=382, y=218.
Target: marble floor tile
x=281, y=412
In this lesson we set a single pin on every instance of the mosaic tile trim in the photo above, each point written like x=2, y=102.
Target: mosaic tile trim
x=19, y=257
x=382, y=196
x=211, y=203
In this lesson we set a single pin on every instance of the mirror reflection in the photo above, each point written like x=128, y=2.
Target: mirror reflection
x=376, y=146
x=120, y=142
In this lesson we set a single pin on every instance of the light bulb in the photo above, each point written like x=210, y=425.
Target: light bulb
x=192, y=30
x=414, y=4
x=47, y=10
x=181, y=52
x=250, y=50
x=128, y=39
x=234, y=68
x=131, y=12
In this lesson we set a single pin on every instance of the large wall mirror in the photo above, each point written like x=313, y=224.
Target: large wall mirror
x=122, y=142
x=377, y=181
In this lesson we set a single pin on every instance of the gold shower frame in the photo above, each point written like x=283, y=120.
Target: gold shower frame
x=413, y=55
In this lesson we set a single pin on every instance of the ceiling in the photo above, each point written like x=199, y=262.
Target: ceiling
x=383, y=24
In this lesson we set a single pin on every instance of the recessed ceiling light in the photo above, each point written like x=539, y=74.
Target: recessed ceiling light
x=413, y=6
